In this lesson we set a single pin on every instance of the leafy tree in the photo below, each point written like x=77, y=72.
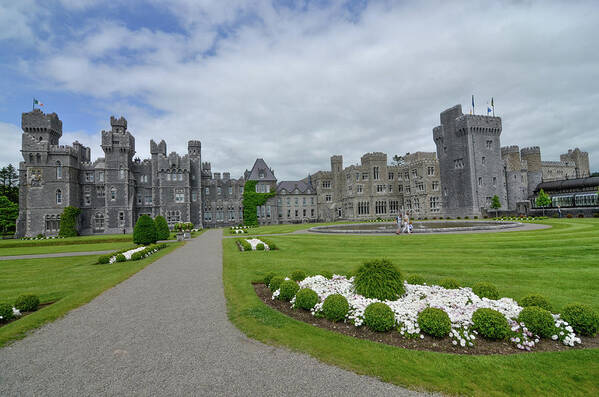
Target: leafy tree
x=399, y=160
x=543, y=200
x=9, y=212
x=144, y=231
x=68, y=221
x=495, y=204
x=162, y=230
x=9, y=181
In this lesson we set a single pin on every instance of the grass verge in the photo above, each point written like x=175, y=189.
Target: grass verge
x=561, y=263
x=53, y=249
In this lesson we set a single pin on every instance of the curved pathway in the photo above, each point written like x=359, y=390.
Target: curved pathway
x=165, y=331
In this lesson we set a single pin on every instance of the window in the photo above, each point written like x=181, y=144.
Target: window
x=364, y=176
x=148, y=199
x=240, y=189
x=101, y=176
x=409, y=204
x=99, y=222
x=380, y=207
x=484, y=160
x=326, y=184
x=399, y=188
x=420, y=186
x=434, y=203
x=391, y=176
x=173, y=217
x=408, y=189
x=390, y=188
x=311, y=200
x=207, y=191
x=288, y=213
x=458, y=163
x=261, y=174
x=357, y=176
x=219, y=191
x=168, y=175
x=494, y=181
x=312, y=213
x=208, y=216
x=480, y=181
x=180, y=176
x=230, y=190
x=121, y=172
x=194, y=196
x=121, y=218
x=414, y=173
x=58, y=197
x=430, y=171
x=138, y=198
x=416, y=204
x=358, y=188
x=380, y=188
x=179, y=195
x=89, y=177
x=489, y=144
x=435, y=185
x=375, y=173
x=363, y=208
x=112, y=193
x=304, y=212
x=304, y=201
x=296, y=201
x=393, y=207
x=328, y=198
x=52, y=223
x=296, y=213
x=339, y=213
x=100, y=192
x=58, y=170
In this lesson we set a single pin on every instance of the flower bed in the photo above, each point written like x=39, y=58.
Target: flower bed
x=253, y=244
x=128, y=254
x=459, y=304
x=42, y=238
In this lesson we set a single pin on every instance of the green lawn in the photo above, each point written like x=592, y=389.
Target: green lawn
x=68, y=281
x=561, y=263
x=51, y=249
x=104, y=238
x=278, y=229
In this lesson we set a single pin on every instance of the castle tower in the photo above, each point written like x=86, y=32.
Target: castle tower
x=580, y=159
x=119, y=147
x=468, y=149
x=194, y=150
x=532, y=156
x=515, y=178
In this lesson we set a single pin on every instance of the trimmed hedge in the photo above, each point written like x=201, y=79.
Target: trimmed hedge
x=6, y=312
x=434, y=322
x=335, y=307
x=275, y=282
x=162, y=230
x=27, y=303
x=287, y=290
x=583, y=319
x=538, y=321
x=306, y=298
x=326, y=274
x=449, y=283
x=415, y=279
x=486, y=290
x=268, y=277
x=379, y=279
x=535, y=300
x=490, y=323
x=104, y=259
x=244, y=244
x=298, y=275
x=121, y=258
x=145, y=231
x=271, y=246
x=379, y=317
x=260, y=247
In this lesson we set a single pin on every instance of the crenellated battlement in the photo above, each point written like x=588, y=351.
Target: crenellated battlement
x=510, y=149
x=532, y=150
x=38, y=121
x=119, y=124
x=374, y=156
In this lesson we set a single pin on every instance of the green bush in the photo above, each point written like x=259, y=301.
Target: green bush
x=379, y=279
x=449, y=283
x=434, y=322
x=326, y=274
x=6, y=312
x=379, y=317
x=288, y=289
x=490, y=324
x=415, y=279
x=103, y=259
x=275, y=282
x=582, y=318
x=271, y=246
x=144, y=231
x=162, y=230
x=298, y=275
x=306, y=298
x=27, y=303
x=535, y=300
x=259, y=247
x=120, y=258
x=268, y=277
x=244, y=244
x=335, y=307
x=68, y=222
x=137, y=256
x=486, y=290
x=538, y=321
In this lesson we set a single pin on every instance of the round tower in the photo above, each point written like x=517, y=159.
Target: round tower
x=532, y=156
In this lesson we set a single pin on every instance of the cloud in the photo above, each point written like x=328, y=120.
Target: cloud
x=295, y=85
x=10, y=153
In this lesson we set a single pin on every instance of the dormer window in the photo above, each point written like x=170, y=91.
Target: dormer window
x=261, y=174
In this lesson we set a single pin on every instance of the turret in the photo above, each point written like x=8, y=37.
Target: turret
x=194, y=148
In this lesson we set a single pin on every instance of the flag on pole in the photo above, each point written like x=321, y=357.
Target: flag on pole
x=36, y=102
x=472, y=104
x=488, y=110
x=493, y=106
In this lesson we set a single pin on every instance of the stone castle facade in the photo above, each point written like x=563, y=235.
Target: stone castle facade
x=468, y=168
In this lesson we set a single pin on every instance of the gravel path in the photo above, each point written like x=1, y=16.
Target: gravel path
x=165, y=331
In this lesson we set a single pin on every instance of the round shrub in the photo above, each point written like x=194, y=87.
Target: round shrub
x=104, y=259
x=298, y=275
x=379, y=317
x=535, y=300
x=27, y=303
x=379, y=279
x=162, y=230
x=415, y=279
x=306, y=298
x=434, y=322
x=582, y=318
x=449, y=283
x=137, y=256
x=538, y=321
x=275, y=283
x=260, y=247
x=326, y=274
x=288, y=288
x=268, y=277
x=486, y=290
x=6, y=312
x=120, y=258
x=144, y=231
x=490, y=323
x=335, y=307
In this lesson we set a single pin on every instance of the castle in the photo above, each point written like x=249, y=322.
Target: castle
x=467, y=170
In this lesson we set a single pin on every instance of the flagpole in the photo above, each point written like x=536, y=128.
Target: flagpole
x=33, y=104
x=493, y=106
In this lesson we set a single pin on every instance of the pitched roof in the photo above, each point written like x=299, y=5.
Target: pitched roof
x=290, y=186
x=259, y=166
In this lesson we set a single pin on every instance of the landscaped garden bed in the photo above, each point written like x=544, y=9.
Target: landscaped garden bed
x=377, y=304
x=131, y=254
x=255, y=244
x=23, y=306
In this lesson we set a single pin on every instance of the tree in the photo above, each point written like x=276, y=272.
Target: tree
x=68, y=222
x=9, y=180
x=144, y=231
x=399, y=160
x=162, y=230
x=495, y=204
x=9, y=212
x=543, y=200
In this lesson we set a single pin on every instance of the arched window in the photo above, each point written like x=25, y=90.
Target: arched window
x=113, y=193
x=99, y=221
x=58, y=170
x=58, y=197
x=180, y=175
x=168, y=175
x=122, y=172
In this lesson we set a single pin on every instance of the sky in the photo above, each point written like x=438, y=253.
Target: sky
x=295, y=82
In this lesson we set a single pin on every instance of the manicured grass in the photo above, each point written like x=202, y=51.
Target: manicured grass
x=51, y=249
x=278, y=229
x=68, y=281
x=561, y=263
x=103, y=238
